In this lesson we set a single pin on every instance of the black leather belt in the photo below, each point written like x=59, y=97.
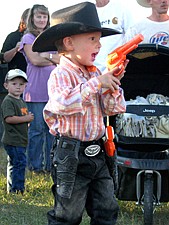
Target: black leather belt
x=90, y=148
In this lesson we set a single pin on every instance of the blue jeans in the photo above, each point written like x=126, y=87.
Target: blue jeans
x=15, y=168
x=40, y=140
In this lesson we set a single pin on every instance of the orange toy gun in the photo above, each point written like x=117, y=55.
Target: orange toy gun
x=118, y=56
x=109, y=144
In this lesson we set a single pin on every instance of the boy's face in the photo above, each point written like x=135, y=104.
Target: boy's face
x=83, y=48
x=15, y=86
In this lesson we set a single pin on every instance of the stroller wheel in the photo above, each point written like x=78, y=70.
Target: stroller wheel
x=148, y=199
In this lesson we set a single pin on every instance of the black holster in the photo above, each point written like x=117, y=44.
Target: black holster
x=65, y=162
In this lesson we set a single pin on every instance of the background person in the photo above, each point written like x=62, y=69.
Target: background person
x=11, y=45
x=154, y=28
x=12, y=58
x=117, y=15
x=75, y=111
x=15, y=137
x=39, y=67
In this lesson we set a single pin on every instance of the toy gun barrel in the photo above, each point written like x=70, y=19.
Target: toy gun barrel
x=130, y=45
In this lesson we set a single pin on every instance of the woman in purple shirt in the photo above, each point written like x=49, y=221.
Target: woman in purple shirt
x=39, y=67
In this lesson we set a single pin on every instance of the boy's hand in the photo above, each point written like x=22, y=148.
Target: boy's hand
x=29, y=117
x=111, y=82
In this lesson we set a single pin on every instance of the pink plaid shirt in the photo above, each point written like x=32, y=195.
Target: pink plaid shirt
x=76, y=105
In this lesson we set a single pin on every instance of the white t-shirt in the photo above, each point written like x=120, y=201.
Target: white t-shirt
x=117, y=16
x=153, y=32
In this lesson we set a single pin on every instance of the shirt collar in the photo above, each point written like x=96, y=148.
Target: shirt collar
x=66, y=62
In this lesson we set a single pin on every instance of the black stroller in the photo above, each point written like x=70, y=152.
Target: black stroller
x=142, y=133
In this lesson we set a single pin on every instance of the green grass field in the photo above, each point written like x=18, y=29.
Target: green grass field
x=31, y=208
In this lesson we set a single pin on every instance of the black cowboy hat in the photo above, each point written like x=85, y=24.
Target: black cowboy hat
x=77, y=19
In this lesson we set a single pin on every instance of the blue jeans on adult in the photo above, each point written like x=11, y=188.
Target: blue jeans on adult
x=15, y=168
x=40, y=140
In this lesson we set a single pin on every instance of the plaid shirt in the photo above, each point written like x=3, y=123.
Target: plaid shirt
x=76, y=105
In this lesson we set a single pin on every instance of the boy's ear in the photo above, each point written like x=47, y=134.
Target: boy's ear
x=67, y=41
x=6, y=86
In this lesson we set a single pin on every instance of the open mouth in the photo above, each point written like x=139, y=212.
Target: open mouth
x=94, y=56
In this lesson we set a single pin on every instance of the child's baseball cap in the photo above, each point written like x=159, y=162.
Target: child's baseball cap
x=15, y=73
x=77, y=19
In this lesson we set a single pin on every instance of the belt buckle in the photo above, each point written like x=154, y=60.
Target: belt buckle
x=92, y=150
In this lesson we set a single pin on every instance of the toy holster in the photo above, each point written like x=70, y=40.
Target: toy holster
x=110, y=153
x=65, y=161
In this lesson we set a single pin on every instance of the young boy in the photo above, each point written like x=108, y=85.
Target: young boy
x=15, y=119
x=74, y=113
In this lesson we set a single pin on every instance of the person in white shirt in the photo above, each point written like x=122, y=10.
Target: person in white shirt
x=112, y=14
x=154, y=28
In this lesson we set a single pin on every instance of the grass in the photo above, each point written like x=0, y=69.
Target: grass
x=31, y=208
